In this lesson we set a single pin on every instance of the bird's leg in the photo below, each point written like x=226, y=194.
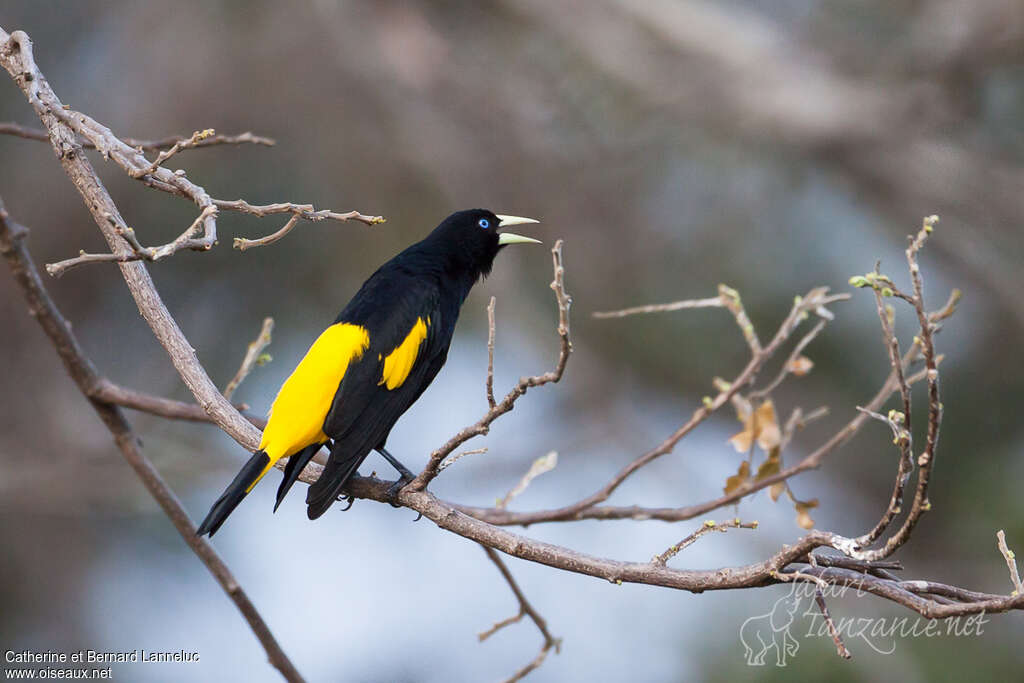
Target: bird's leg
x=405, y=478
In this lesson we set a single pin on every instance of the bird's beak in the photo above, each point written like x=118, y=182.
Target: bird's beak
x=510, y=237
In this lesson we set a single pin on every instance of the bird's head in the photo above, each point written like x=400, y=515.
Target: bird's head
x=472, y=238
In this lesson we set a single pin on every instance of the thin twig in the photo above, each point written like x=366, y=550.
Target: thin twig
x=241, y=243
x=543, y=464
x=65, y=126
x=731, y=300
x=139, y=252
x=13, y=129
x=525, y=609
x=587, y=508
x=106, y=391
x=451, y=460
x=712, y=302
x=197, y=137
x=1011, y=562
x=925, y=340
x=489, y=384
x=252, y=356
x=705, y=528
x=819, y=599
x=788, y=365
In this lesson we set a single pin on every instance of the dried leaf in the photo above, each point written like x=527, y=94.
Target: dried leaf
x=770, y=435
x=741, y=442
x=770, y=466
x=802, y=516
x=776, y=490
x=737, y=480
x=761, y=426
x=800, y=366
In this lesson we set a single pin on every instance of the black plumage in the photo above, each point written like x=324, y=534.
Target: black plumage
x=408, y=310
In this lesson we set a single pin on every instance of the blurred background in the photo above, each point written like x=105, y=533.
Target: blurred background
x=674, y=145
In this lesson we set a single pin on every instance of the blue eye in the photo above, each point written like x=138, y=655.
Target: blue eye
x=484, y=223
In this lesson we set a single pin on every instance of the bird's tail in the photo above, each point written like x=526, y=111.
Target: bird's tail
x=240, y=486
x=293, y=469
x=340, y=468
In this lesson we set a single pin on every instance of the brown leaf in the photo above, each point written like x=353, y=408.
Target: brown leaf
x=761, y=425
x=769, y=435
x=776, y=490
x=802, y=507
x=800, y=366
x=770, y=466
x=737, y=480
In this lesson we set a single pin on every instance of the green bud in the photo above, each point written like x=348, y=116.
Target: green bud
x=859, y=281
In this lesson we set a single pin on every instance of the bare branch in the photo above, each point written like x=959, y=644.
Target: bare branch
x=63, y=127
x=490, y=354
x=713, y=302
x=706, y=527
x=138, y=252
x=106, y=391
x=1011, y=562
x=197, y=137
x=819, y=599
x=731, y=300
x=13, y=129
x=525, y=609
x=925, y=461
x=84, y=374
x=587, y=508
x=590, y=508
x=451, y=460
x=252, y=356
x=306, y=211
x=788, y=365
x=543, y=464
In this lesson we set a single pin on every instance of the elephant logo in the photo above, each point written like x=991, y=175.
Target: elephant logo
x=770, y=631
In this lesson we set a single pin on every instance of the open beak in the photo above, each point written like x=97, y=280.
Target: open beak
x=510, y=237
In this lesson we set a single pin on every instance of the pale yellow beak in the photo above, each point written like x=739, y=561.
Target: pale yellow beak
x=512, y=238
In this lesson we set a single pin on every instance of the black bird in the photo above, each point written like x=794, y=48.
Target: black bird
x=370, y=366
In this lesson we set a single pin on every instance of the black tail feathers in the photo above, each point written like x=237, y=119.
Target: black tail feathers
x=293, y=469
x=234, y=493
x=339, y=470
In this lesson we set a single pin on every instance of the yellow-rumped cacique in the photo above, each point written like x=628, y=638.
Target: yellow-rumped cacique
x=365, y=370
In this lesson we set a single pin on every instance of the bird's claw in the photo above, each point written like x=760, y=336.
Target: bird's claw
x=350, y=499
x=392, y=493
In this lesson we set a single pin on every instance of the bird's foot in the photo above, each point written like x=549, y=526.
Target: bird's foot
x=348, y=498
x=396, y=488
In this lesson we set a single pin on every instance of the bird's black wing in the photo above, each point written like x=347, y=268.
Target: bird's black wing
x=409, y=335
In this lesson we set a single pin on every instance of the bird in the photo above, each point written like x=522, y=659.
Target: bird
x=368, y=367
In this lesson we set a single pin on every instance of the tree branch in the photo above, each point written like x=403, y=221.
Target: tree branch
x=38, y=134
x=85, y=376
x=252, y=357
x=525, y=609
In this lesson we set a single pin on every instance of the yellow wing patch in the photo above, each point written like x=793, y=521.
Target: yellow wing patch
x=298, y=413
x=398, y=364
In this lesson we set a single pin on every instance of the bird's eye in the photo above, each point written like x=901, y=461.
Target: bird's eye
x=484, y=223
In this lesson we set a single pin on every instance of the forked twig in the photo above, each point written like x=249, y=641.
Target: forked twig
x=525, y=609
